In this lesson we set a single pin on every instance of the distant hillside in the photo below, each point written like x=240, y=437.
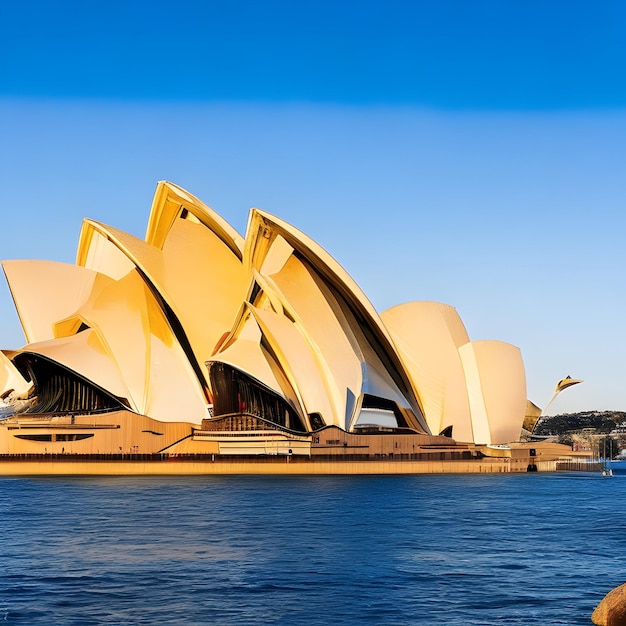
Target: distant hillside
x=601, y=421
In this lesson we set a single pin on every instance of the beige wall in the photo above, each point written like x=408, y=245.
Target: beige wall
x=119, y=432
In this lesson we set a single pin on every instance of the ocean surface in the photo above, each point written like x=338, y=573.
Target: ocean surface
x=528, y=549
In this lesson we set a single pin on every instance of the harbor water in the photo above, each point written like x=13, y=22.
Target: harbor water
x=526, y=549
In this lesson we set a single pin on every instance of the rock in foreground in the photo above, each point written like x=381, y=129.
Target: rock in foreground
x=612, y=609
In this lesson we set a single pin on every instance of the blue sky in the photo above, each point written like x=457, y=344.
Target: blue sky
x=468, y=153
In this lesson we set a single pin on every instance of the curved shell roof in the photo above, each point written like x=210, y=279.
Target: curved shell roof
x=428, y=336
x=335, y=313
x=11, y=381
x=171, y=202
x=497, y=390
x=141, y=318
x=45, y=292
x=200, y=281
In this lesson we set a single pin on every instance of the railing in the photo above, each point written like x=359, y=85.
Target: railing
x=230, y=458
x=238, y=422
x=243, y=435
x=579, y=466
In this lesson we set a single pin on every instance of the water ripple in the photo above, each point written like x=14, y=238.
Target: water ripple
x=524, y=550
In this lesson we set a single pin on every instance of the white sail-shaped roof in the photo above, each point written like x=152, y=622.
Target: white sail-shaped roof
x=497, y=390
x=199, y=278
x=138, y=339
x=45, y=292
x=428, y=336
x=339, y=324
x=139, y=319
x=11, y=381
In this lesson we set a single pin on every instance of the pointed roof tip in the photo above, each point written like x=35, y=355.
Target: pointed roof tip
x=169, y=183
x=162, y=216
x=324, y=260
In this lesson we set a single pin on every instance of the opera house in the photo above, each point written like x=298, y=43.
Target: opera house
x=198, y=343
